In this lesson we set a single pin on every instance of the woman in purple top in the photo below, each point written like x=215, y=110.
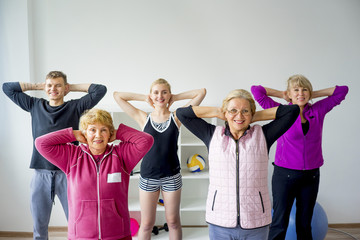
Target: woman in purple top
x=298, y=153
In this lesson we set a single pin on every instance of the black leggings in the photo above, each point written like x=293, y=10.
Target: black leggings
x=288, y=185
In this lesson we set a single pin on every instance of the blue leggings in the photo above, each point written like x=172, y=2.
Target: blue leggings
x=45, y=184
x=288, y=185
x=237, y=233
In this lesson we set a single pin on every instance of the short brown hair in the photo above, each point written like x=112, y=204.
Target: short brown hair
x=56, y=74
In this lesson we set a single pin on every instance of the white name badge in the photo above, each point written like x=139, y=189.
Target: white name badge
x=114, y=177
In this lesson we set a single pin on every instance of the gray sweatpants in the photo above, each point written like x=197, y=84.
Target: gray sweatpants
x=45, y=184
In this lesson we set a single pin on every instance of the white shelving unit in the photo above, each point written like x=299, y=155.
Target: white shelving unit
x=195, y=185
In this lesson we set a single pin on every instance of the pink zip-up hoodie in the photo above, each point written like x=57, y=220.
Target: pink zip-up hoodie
x=97, y=194
x=294, y=150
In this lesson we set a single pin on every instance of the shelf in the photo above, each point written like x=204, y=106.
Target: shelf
x=134, y=205
x=193, y=204
x=186, y=174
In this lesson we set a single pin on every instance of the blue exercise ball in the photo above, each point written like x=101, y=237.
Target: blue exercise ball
x=319, y=223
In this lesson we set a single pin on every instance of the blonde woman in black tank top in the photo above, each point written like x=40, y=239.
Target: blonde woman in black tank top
x=160, y=99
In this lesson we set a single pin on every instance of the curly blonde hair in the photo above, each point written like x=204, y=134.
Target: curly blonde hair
x=95, y=115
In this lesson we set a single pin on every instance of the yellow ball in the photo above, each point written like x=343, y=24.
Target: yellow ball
x=195, y=163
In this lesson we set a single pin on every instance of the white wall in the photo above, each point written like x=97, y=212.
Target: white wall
x=16, y=146
x=220, y=45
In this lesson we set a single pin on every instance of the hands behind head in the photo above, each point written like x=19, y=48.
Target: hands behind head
x=42, y=85
x=67, y=89
x=286, y=96
x=149, y=101
x=221, y=114
x=171, y=101
x=79, y=136
x=113, y=136
x=82, y=139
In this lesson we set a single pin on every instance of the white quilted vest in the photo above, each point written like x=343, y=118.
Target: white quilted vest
x=254, y=200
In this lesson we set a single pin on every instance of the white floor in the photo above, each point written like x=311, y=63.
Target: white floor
x=198, y=233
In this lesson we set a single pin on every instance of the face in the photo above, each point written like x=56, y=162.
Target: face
x=238, y=116
x=55, y=89
x=160, y=94
x=299, y=95
x=97, y=136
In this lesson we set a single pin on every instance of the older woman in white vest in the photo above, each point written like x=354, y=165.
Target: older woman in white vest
x=238, y=203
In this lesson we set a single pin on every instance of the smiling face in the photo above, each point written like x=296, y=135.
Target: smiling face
x=160, y=95
x=299, y=90
x=299, y=95
x=97, y=136
x=55, y=89
x=238, y=115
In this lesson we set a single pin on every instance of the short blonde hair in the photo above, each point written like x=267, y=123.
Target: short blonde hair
x=93, y=116
x=239, y=93
x=161, y=81
x=299, y=80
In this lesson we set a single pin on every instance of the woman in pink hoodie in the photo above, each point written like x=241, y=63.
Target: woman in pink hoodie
x=97, y=173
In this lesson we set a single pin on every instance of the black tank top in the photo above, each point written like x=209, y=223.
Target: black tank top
x=162, y=159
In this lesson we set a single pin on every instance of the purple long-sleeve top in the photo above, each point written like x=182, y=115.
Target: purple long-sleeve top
x=294, y=149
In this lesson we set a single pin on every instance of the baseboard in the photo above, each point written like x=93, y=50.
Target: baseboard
x=344, y=225
x=58, y=229
x=12, y=234
x=194, y=226
x=16, y=234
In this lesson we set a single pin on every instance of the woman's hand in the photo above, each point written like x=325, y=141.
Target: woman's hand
x=286, y=96
x=221, y=114
x=113, y=136
x=171, y=101
x=149, y=101
x=79, y=136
